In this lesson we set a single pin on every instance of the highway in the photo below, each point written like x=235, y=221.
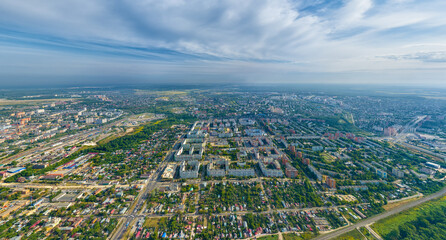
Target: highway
x=371, y=220
x=402, y=135
x=399, y=139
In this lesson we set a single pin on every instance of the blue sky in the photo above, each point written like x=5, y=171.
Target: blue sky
x=250, y=41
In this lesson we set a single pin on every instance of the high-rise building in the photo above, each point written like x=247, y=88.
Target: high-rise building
x=389, y=132
x=291, y=171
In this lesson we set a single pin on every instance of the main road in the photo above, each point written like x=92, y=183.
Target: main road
x=133, y=211
x=402, y=135
x=368, y=221
x=131, y=214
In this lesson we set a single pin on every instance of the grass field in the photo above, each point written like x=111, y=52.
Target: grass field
x=392, y=205
x=270, y=237
x=355, y=234
x=327, y=157
x=293, y=236
x=165, y=93
x=8, y=102
x=108, y=139
x=129, y=131
x=385, y=226
x=157, y=122
x=151, y=222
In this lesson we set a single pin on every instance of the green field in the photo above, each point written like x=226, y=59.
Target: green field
x=293, y=236
x=9, y=102
x=270, y=237
x=426, y=221
x=355, y=234
x=151, y=222
x=161, y=93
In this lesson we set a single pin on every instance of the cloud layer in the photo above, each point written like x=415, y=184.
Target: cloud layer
x=360, y=41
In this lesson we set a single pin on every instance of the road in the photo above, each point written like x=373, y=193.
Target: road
x=402, y=135
x=228, y=213
x=371, y=220
x=376, y=235
x=133, y=212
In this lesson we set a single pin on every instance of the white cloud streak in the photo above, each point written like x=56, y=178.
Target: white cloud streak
x=352, y=36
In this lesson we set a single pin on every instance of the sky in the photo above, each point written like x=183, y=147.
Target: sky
x=84, y=42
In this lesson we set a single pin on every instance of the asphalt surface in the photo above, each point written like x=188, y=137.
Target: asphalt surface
x=367, y=221
x=132, y=213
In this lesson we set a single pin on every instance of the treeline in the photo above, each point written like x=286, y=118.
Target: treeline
x=133, y=140
x=430, y=225
x=427, y=186
x=303, y=194
x=341, y=124
x=256, y=221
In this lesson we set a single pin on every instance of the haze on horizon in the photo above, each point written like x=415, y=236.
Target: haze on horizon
x=400, y=42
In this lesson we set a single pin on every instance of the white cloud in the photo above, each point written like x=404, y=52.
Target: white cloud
x=352, y=36
x=352, y=13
